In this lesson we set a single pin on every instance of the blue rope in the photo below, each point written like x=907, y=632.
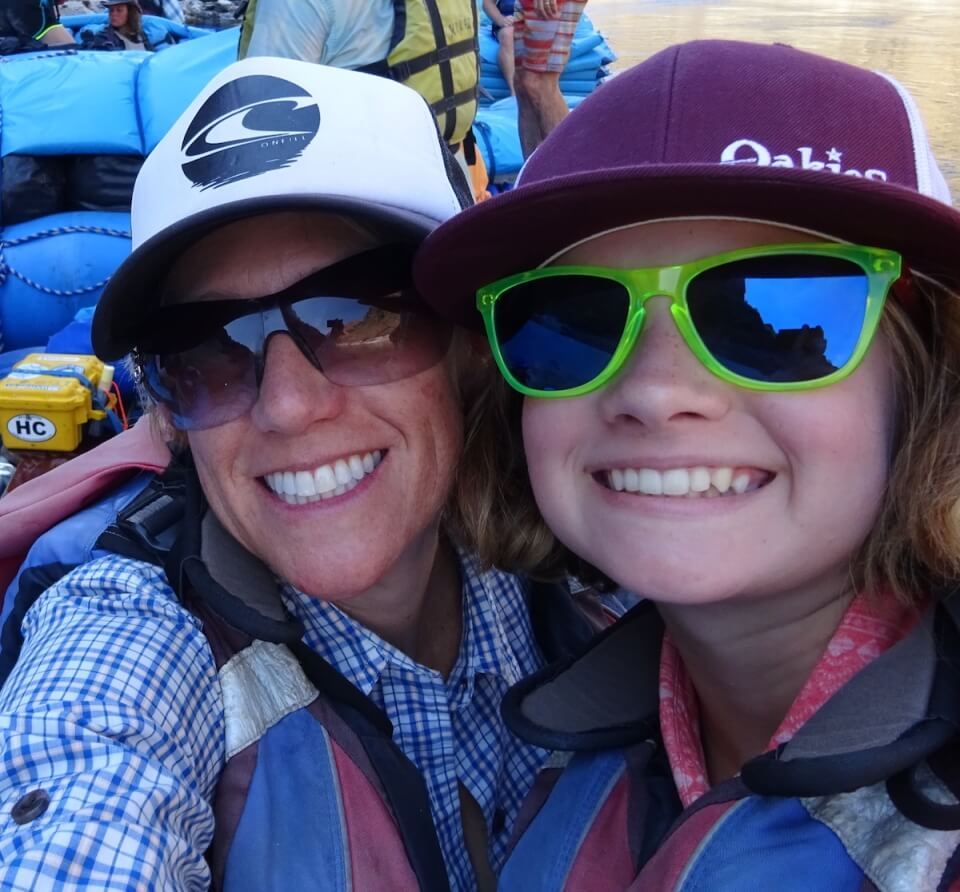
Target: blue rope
x=48, y=54
x=7, y=270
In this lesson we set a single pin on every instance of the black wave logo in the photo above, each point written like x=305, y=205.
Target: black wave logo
x=247, y=127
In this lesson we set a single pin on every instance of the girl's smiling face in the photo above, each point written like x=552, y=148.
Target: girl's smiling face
x=812, y=464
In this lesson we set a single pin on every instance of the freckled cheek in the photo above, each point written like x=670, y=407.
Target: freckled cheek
x=438, y=430
x=842, y=454
x=550, y=443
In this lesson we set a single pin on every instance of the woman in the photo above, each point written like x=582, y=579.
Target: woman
x=124, y=30
x=282, y=649
x=732, y=334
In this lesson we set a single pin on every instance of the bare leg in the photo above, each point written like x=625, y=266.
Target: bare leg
x=540, y=106
x=505, y=56
x=527, y=119
x=552, y=107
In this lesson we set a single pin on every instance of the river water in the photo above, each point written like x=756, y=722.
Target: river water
x=916, y=41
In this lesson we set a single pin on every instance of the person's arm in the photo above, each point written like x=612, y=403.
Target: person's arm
x=111, y=727
x=493, y=13
x=293, y=29
x=549, y=9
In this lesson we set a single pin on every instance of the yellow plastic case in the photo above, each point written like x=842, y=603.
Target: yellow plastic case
x=48, y=412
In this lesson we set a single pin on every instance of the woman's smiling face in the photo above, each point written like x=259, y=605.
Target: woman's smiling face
x=804, y=472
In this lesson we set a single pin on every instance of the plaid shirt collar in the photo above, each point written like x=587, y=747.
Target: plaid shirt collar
x=362, y=656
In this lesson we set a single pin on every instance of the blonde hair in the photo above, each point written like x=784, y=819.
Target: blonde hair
x=914, y=545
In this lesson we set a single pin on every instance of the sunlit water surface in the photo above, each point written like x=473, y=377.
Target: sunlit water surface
x=916, y=41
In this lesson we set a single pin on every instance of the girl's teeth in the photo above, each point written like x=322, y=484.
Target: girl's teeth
x=650, y=482
x=676, y=482
x=325, y=482
x=687, y=482
x=699, y=480
x=721, y=478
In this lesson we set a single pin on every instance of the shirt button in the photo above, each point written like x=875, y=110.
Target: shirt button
x=29, y=807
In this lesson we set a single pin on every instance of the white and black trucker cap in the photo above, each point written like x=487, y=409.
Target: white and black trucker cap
x=271, y=134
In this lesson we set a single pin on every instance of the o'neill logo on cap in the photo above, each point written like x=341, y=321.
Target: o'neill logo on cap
x=247, y=127
x=749, y=151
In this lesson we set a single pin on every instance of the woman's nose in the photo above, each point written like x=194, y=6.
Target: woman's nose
x=294, y=393
x=662, y=381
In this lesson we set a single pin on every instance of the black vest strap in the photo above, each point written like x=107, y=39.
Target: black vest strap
x=405, y=70
x=402, y=782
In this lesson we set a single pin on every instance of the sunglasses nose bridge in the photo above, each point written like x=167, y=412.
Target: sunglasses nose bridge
x=276, y=321
x=647, y=284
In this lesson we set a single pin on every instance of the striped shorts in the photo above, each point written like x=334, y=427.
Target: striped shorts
x=543, y=44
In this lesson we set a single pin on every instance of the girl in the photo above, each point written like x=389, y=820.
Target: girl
x=721, y=298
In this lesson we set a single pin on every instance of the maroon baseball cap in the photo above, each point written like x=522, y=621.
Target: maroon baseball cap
x=712, y=128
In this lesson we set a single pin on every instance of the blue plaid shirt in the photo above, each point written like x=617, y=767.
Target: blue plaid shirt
x=114, y=712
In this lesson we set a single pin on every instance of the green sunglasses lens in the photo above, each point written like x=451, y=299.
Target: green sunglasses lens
x=559, y=332
x=780, y=318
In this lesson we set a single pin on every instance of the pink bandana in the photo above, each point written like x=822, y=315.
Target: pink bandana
x=865, y=632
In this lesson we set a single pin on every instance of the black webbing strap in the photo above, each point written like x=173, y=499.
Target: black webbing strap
x=405, y=70
x=148, y=526
x=451, y=103
x=401, y=780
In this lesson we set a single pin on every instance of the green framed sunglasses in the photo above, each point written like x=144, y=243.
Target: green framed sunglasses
x=769, y=318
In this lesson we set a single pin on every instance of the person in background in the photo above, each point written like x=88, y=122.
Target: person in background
x=123, y=31
x=542, y=33
x=500, y=13
x=732, y=385
x=32, y=22
x=361, y=35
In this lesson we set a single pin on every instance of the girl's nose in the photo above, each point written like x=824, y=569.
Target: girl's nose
x=662, y=380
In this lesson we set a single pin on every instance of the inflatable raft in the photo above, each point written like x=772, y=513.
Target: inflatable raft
x=75, y=126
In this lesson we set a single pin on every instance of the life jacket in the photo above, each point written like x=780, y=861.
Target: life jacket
x=863, y=797
x=433, y=49
x=312, y=773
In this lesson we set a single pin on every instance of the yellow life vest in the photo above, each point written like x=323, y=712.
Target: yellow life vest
x=433, y=49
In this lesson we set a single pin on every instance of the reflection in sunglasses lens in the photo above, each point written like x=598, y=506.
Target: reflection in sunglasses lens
x=559, y=332
x=782, y=318
x=352, y=342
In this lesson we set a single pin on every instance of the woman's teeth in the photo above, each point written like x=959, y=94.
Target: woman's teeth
x=325, y=482
x=690, y=482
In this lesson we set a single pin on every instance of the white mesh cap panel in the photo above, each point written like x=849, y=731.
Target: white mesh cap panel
x=930, y=179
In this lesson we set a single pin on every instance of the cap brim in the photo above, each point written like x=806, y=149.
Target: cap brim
x=521, y=229
x=135, y=285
